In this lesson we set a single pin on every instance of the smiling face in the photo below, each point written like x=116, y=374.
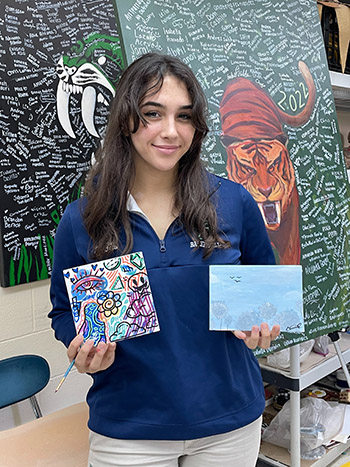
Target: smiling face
x=159, y=145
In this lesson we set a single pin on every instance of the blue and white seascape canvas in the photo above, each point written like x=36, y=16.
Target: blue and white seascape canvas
x=242, y=296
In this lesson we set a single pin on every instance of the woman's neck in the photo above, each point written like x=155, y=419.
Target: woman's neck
x=155, y=195
x=148, y=183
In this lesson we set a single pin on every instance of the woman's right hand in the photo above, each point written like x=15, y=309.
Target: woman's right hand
x=90, y=359
x=258, y=337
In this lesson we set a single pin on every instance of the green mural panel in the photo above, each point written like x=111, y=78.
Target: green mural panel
x=273, y=127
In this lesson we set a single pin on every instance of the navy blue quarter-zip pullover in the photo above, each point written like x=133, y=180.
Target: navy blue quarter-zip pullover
x=185, y=381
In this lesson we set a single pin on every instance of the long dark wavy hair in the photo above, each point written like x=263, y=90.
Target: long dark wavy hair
x=110, y=178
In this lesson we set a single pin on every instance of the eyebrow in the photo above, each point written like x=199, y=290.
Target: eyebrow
x=157, y=104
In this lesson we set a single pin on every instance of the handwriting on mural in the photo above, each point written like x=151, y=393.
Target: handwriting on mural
x=42, y=165
x=264, y=42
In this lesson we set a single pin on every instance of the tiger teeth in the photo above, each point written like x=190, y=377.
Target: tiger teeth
x=63, y=108
x=77, y=89
x=101, y=99
x=88, y=104
x=89, y=99
x=277, y=206
x=71, y=88
x=278, y=209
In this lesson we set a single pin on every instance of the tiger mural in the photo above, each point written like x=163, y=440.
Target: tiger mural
x=258, y=158
x=88, y=76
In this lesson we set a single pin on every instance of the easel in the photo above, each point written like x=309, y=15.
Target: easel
x=334, y=337
x=295, y=395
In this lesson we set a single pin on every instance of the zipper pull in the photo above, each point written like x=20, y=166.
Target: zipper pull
x=162, y=247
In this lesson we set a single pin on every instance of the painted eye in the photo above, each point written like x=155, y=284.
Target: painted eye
x=247, y=169
x=276, y=164
x=88, y=284
x=71, y=70
x=101, y=60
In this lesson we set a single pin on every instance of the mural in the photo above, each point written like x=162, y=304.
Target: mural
x=258, y=158
x=264, y=71
x=60, y=63
x=91, y=72
x=59, y=66
x=111, y=300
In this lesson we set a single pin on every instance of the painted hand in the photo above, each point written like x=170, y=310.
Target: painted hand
x=90, y=359
x=258, y=337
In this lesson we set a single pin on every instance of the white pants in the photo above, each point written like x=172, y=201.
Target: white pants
x=238, y=448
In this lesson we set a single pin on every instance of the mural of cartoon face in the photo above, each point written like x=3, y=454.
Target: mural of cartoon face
x=258, y=158
x=90, y=73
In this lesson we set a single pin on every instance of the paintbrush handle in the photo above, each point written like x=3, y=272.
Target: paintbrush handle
x=65, y=374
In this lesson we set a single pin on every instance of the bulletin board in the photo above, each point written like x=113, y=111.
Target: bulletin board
x=267, y=55
x=59, y=62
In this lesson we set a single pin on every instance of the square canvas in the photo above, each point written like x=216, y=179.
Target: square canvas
x=242, y=296
x=111, y=300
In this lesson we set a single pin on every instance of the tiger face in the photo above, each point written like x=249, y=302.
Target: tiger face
x=264, y=168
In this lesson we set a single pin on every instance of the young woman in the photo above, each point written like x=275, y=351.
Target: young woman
x=184, y=396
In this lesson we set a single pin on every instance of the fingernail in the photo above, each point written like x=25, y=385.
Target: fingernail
x=101, y=346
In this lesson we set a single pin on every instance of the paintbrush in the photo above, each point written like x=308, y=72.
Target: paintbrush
x=66, y=374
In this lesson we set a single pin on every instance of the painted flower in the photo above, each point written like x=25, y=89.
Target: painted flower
x=109, y=302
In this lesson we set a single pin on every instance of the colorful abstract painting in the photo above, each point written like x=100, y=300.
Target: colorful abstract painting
x=111, y=300
x=243, y=296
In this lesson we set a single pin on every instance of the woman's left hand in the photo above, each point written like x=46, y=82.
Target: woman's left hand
x=258, y=337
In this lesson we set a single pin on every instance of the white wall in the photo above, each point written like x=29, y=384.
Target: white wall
x=24, y=329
